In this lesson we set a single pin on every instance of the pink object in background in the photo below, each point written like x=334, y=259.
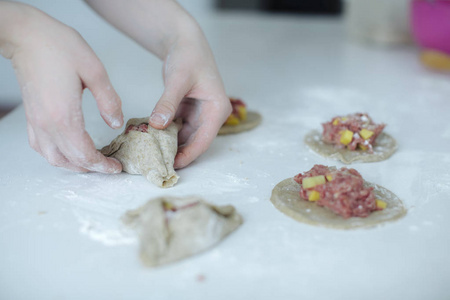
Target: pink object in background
x=430, y=24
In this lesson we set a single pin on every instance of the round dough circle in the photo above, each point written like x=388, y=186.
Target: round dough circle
x=253, y=120
x=384, y=147
x=286, y=198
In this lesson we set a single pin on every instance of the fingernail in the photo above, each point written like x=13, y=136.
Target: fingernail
x=116, y=123
x=159, y=119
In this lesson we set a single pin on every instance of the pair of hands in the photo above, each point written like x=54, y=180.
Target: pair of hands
x=54, y=65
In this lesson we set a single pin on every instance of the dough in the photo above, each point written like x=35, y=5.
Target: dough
x=384, y=147
x=253, y=120
x=172, y=228
x=151, y=153
x=286, y=198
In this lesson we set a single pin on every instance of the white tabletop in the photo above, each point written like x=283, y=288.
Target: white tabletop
x=60, y=233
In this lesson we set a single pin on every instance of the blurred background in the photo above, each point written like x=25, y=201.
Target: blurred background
x=333, y=7
x=380, y=22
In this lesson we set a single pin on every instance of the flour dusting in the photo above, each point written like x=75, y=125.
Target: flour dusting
x=98, y=201
x=102, y=232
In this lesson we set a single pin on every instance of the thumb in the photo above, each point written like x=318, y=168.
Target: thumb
x=167, y=105
x=108, y=102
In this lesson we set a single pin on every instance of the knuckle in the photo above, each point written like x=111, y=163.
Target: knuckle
x=84, y=161
x=56, y=161
x=33, y=144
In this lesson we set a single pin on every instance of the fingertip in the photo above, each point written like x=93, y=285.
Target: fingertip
x=159, y=120
x=181, y=161
x=114, y=121
x=108, y=166
x=116, y=165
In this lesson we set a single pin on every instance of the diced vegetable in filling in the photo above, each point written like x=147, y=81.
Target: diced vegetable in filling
x=238, y=114
x=342, y=191
x=355, y=132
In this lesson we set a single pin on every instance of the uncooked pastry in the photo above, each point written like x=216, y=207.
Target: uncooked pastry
x=253, y=120
x=384, y=147
x=172, y=228
x=150, y=153
x=286, y=198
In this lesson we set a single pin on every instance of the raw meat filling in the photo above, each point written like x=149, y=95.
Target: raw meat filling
x=341, y=190
x=238, y=114
x=171, y=209
x=354, y=131
x=141, y=127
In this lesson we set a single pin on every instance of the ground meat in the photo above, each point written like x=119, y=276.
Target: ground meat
x=344, y=194
x=142, y=128
x=332, y=131
x=235, y=103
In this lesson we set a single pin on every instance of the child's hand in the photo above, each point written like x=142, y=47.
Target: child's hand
x=193, y=87
x=194, y=92
x=53, y=65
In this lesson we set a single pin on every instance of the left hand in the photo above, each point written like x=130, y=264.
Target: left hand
x=193, y=87
x=194, y=92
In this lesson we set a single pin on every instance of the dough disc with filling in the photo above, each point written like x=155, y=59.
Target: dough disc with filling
x=286, y=198
x=151, y=153
x=384, y=147
x=194, y=226
x=253, y=120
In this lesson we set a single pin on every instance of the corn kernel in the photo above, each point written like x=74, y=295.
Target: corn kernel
x=242, y=112
x=380, y=204
x=365, y=134
x=232, y=120
x=168, y=206
x=314, y=196
x=329, y=177
x=362, y=147
x=310, y=182
x=346, y=137
x=336, y=121
x=344, y=119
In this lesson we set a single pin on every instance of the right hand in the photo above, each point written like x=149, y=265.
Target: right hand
x=53, y=65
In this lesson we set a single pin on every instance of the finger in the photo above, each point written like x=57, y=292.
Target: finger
x=32, y=138
x=96, y=79
x=186, y=131
x=80, y=150
x=199, y=141
x=212, y=115
x=190, y=112
x=176, y=88
x=197, y=144
x=66, y=132
x=54, y=157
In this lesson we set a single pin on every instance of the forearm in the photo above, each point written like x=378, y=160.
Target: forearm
x=155, y=24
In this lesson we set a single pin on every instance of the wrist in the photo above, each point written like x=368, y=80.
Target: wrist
x=184, y=33
x=14, y=19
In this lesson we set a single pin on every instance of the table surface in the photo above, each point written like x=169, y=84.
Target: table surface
x=60, y=231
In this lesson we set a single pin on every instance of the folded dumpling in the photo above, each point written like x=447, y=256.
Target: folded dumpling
x=144, y=150
x=172, y=228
